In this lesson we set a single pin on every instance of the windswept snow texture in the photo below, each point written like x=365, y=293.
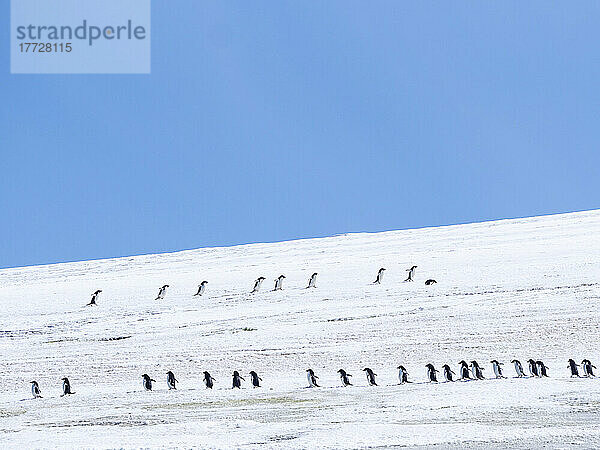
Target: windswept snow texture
x=526, y=288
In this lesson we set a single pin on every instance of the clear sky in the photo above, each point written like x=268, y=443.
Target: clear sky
x=275, y=120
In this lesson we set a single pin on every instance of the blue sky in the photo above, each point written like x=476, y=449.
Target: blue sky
x=274, y=120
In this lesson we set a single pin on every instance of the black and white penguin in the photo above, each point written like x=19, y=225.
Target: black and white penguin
x=147, y=382
x=344, y=377
x=497, y=366
x=542, y=369
x=255, y=379
x=533, y=369
x=430, y=282
x=236, y=380
x=573, y=366
x=370, y=376
x=588, y=368
x=411, y=273
x=477, y=371
x=379, y=278
x=279, y=283
x=312, y=378
x=171, y=380
x=208, y=380
x=312, y=281
x=35, y=389
x=66, y=387
x=518, y=368
x=465, y=374
x=162, y=292
x=431, y=373
x=257, y=284
x=402, y=375
x=448, y=372
x=201, y=288
x=95, y=296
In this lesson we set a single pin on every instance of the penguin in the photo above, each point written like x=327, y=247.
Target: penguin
x=430, y=282
x=257, y=284
x=312, y=281
x=497, y=366
x=477, y=371
x=66, y=387
x=464, y=370
x=379, y=278
x=518, y=368
x=35, y=389
x=208, y=380
x=312, y=378
x=344, y=377
x=411, y=273
x=402, y=375
x=370, y=376
x=236, y=380
x=448, y=372
x=279, y=282
x=171, y=380
x=431, y=373
x=533, y=368
x=255, y=379
x=162, y=292
x=95, y=296
x=201, y=288
x=542, y=369
x=147, y=382
x=573, y=366
x=588, y=368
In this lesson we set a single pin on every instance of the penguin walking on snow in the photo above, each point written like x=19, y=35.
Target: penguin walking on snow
x=370, y=376
x=477, y=371
x=430, y=282
x=464, y=370
x=411, y=273
x=208, y=380
x=312, y=378
x=542, y=369
x=497, y=366
x=147, y=382
x=573, y=366
x=35, y=389
x=402, y=375
x=312, y=281
x=66, y=387
x=255, y=379
x=588, y=368
x=431, y=373
x=257, y=284
x=162, y=292
x=448, y=372
x=533, y=369
x=201, y=288
x=518, y=368
x=171, y=380
x=379, y=278
x=236, y=380
x=345, y=377
x=279, y=283
x=95, y=296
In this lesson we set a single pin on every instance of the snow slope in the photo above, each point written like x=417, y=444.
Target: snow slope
x=526, y=288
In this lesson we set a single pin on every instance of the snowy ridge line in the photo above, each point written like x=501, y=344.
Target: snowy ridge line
x=525, y=287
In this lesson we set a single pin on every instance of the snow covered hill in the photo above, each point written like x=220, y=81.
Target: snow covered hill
x=526, y=288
